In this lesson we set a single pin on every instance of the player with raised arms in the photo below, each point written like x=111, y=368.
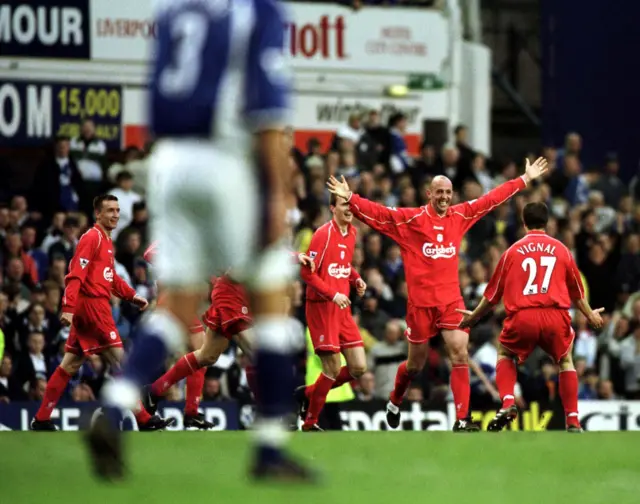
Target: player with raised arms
x=429, y=238
x=219, y=97
x=537, y=279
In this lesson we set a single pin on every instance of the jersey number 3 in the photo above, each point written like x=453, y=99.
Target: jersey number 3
x=530, y=265
x=189, y=34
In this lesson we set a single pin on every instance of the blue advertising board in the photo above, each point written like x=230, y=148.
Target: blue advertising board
x=32, y=112
x=48, y=29
x=70, y=417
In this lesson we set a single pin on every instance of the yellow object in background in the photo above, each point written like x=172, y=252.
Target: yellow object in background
x=343, y=393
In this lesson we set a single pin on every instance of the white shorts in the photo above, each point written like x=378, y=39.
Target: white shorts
x=206, y=210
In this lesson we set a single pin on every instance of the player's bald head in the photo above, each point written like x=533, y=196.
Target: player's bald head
x=440, y=182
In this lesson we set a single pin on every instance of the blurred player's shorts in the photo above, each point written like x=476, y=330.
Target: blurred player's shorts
x=207, y=215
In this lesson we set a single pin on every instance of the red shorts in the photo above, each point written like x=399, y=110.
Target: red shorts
x=93, y=329
x=548, y=328
x=331, y=328
x=424, y=323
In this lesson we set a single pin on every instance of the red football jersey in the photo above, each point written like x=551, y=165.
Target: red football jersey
x=92, y=272
x=332, y=253
x=537, y=271
x=430, y=243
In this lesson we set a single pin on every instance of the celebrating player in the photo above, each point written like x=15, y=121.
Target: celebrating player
x=331, y=325
x=429, y=238
x=537, y=279
x=86, y=307
x=228, y=318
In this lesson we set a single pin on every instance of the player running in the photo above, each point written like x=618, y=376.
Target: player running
x=228, y=318
x=429, y=238
x=219, y=103
x=86, y=307
x=537, y=278
x=328, y=313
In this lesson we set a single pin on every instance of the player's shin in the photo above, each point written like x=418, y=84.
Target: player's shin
x=506, y=376
x=568, y=388
x=55, y=388
x=461, y=389
x=403, y=379
x=274, y=353
x=195, y=382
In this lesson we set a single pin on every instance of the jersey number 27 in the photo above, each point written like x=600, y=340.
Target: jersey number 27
x=530, y=265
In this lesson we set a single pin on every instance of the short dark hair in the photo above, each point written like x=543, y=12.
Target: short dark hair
x=124, y=175
x=333, y=199
x=535, y=215
x=98, y=200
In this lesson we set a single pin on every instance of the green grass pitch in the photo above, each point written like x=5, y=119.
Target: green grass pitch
x=356, y=467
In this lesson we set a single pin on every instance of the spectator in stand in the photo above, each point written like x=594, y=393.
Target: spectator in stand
x=628, y=270
x=589, y=386
x=373, y=319
x=16, y=278
x=14, y=250
x=32, y=362
x=610, y=184
x=57, y=183
x=65, y=245
x=399, y=159
x=586, y=343
x=366, y=389
x=572, y=146
x=35, y=321
x=89, y=152
x=19, y=213
x=481, y=174
x=385, y=356
x=130, y=155
x=449, y=166
x=378, y=133
x=606, y=391
x=53, y=232
x=29, y=235
x=127, y=197
x=10, y=389
x=467, y=154
x=58, y=270
x=630, y=362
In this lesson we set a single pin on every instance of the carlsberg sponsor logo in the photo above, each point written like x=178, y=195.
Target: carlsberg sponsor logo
x=338, y=271
x=438, y=251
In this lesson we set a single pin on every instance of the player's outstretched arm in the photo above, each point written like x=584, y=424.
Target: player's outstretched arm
x=476, y=209
x=471, y=317
x=389, y=221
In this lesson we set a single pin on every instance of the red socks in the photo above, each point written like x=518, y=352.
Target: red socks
x=461, y=389
x=142, y=416
x=403, y=378
x=317, y=398
x=344, y=376
x=569, y=395
x=506, y=376
x=195, y=382
x=55, y=388
x=185, y=366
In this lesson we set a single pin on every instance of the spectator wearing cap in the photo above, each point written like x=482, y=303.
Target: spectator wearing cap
x=399, y=158
x=66, y=244
x=57, y=183
x=609, y=184
x=127, y=197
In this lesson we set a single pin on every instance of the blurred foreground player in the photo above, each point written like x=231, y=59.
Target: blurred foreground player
x=219, y=96
x=86, y=307
x=429, y=238
x=193, y=419
x=537, y=278
x=328, y=311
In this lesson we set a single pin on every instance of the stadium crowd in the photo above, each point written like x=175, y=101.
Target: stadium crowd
x=595, y=215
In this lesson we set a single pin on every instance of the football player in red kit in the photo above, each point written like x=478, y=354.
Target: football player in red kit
x=228, y=318
x=537, y=278
x=86, y=307
x=429, y=238
x=329, y=318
